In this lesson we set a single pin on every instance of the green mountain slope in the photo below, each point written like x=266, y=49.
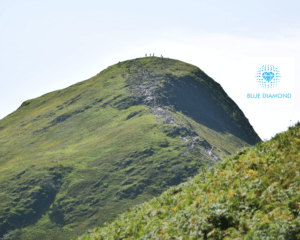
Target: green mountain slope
x=74, y=158
x=254, y=194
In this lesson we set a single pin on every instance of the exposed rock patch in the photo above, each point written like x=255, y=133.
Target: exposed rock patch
x=146, y=93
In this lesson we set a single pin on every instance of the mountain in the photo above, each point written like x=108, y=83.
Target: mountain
x=253, y=194
x=75, y=158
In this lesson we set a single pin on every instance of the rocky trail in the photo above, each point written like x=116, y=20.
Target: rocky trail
x=146, y=94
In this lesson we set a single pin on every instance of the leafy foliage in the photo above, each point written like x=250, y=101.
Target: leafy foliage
x=251, y=195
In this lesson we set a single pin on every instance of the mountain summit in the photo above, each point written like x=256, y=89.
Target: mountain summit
x=75, y=158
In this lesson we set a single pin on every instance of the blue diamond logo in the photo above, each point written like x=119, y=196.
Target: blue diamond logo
x=268, y=76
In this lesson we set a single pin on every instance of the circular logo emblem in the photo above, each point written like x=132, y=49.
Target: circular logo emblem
x=268, y=76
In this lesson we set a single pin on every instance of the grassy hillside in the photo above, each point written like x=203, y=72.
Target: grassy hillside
x=254, y=194
x=73, y=159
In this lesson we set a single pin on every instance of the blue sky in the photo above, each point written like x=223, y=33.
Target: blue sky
x=50, y=45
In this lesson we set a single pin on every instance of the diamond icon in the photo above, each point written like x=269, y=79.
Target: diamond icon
x=268, y=76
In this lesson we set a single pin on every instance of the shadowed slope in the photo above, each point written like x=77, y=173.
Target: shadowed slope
x=207, y=104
